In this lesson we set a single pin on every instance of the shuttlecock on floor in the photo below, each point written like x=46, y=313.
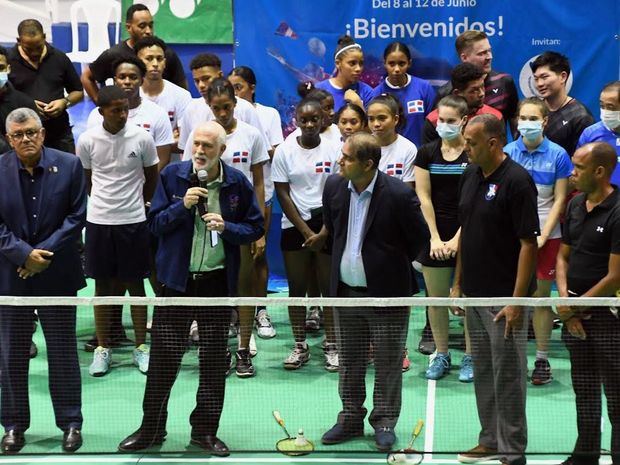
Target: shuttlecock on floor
x=300, y=440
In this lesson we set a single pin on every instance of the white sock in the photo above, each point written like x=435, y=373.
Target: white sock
x=542, y=355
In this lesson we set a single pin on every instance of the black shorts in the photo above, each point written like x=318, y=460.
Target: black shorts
x=447, y=228
x=292, y=240
x=117, y=251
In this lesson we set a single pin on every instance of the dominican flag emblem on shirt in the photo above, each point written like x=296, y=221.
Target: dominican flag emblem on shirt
x=394, y=168
x=415, y=106
x=146, y=126
x=240, y=157
x=490, y=195
x=323, y=167
x=171, y=116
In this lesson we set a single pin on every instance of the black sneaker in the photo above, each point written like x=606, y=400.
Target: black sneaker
x=244, y=369
x=426, y=345
x=542, y=372
x=33, y=350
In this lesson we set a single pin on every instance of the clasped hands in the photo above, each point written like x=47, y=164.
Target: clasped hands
x=36, y=262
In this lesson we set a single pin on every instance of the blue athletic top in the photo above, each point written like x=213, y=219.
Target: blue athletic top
x=598, y=132
x=362, y=89
x=546, y=164
x=417, y=98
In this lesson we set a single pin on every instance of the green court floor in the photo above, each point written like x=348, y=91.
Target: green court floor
x=307, y=398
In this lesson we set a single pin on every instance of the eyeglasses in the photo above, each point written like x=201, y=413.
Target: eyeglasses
x=29, y=133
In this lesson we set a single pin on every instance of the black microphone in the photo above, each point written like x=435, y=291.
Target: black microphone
x=202, y=205
x=202, y=182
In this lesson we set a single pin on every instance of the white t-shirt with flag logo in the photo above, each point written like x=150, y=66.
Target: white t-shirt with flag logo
x=173, y=100
x=272, y=123
x=305, y=171
x=397, y=159
x=198, y=112
x=332, y=133
x=117, y=163
x=147, y=115
x=245, y=147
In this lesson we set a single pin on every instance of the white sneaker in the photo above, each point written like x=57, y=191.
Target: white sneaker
x=331, y=357
x=141, y=356
x=193, y=332
x=101, y=361
x=264, y=328
x=298, y=357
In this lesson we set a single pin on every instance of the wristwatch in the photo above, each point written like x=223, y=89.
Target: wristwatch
x=67, y=101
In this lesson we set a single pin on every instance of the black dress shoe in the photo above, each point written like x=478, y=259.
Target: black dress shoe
x=141, y=440
x=12, y=442
x=339, y=433
x=211, y=444
x=72, y=440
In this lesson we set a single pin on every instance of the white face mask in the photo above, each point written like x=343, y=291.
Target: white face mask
x=530, y=130
x=448, y=131
x=4, y=78
x=610, y=118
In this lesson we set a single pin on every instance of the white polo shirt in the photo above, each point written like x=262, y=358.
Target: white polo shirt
x=173, y=100
x=245, y=147
x=305, y=170
x=147, y=115
x=397, y=159
x=117, y=162
x=198, y=112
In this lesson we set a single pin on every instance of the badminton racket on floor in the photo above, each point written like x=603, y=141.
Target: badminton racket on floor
x=408, y=456
x=289, y=445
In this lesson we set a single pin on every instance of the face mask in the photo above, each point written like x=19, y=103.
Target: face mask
x=448, y=131
x=610, y=118
x=530, y=130
x=4, y=77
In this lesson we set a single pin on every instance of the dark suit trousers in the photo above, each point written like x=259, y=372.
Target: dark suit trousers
x=168, y=344
x=595, y=361
x=355, y=328
x=65, y=387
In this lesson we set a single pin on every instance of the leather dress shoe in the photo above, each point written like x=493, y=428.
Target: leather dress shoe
x=72, y=440
x=211, y=444
x=339, y=433
x=141, y=440
x=385, y=438
x=12, y=442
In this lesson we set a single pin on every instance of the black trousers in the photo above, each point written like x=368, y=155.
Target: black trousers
x=595, y=361
x=169, y=335
x=356, y=327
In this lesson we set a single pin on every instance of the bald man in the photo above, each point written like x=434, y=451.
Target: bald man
x=202, y=211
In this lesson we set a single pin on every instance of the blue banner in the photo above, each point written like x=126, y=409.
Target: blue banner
x=288, y=42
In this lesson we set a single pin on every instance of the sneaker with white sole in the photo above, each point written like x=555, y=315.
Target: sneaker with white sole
x=141, y=356
x=101, y=361
x=314, y=319
x=331, y=357
x=466, y=373
x=264, y=327
x=298, y=357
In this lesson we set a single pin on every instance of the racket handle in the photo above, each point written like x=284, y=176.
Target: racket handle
x=418, y=427
x=278, y=417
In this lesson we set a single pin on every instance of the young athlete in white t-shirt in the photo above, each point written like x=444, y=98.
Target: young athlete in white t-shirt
x=243, y=81
x=385, y=117
x=120, y=164
x=300, y=169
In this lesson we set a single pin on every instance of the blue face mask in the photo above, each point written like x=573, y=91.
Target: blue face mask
x=448, y=131
x=4, y=78
x=530, y=130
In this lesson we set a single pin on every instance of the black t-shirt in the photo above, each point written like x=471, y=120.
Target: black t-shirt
x=11, y=99
x=444, y=176
x=102, y=66
x=495, y=213
x=500, y=93
x=566, y=124
x=592, y=236
x=48, y=82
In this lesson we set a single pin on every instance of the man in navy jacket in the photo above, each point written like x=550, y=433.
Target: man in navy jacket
x=202, y=211
x=42, y=214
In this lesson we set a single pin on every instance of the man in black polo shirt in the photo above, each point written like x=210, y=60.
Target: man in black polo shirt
x=588, y=265
x=10, y=99
x=500, y=91
x=497, y=258
x=568, y=117
x=139, y=24
x=45, y=73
